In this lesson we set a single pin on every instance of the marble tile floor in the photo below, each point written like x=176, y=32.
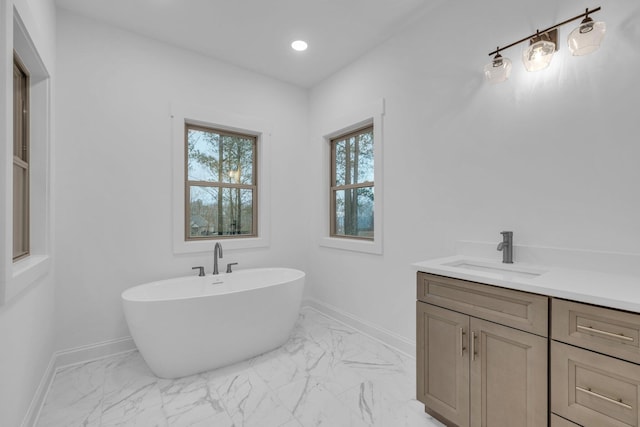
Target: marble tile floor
x=327, y=374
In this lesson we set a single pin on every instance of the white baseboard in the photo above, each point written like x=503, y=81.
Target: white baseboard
x=389, y=338
x=64, y=358
x=87, y=353
x=40, y=395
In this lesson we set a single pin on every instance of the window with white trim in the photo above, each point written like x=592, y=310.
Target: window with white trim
x=26, y=235
x=352, y=185
x=221, y=184
x=235, y=174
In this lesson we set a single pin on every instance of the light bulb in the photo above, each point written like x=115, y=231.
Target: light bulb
x=299, y=45
x=538, y=56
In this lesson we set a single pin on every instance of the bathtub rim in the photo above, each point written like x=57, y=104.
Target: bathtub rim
x=300, y=275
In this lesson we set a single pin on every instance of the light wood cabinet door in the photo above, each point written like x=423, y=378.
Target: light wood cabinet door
x=443, y=363
x=508, y=376
x=592, y=389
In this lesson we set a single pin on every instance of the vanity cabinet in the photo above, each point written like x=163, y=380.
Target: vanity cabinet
x=595, y=365
x=482, y=353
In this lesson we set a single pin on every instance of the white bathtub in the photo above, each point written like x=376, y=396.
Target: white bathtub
x=193, y=324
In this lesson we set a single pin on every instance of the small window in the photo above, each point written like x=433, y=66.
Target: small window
x=221, y=187
x=352, y=187
x=20, y=161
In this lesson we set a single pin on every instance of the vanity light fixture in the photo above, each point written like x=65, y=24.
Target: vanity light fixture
x=586, y=38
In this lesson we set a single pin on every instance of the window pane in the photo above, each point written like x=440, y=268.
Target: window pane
x=216, y=157
x=365, y=157
x=354, y=212
x=203, y=150
x=203, y=210
x=354, y=159
x=20, y=162
x=237, y=211
x=19, y=107
x=20, y=211
x=237, y=166
x=220, y=211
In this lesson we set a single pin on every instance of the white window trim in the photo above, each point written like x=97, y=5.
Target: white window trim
x=358, y=118
x=205, y=116
x=16, y=276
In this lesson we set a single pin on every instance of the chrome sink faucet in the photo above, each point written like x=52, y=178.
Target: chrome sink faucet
x=217, y=252
x=506, y=246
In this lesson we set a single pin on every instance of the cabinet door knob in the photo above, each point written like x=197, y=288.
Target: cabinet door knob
x=462, y=347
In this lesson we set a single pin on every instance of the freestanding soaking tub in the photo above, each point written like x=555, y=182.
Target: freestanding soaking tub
x=193, y=324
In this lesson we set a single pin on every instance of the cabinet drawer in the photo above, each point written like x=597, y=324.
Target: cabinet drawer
x=557, y=421
x=605, y=330
x=594, y=390
x=520, y=310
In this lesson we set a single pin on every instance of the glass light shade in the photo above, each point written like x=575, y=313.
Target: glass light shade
x=498, y=70
x=587, y=37
x=538, y=56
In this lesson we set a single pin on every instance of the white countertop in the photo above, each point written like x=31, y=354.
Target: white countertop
x=609, y=290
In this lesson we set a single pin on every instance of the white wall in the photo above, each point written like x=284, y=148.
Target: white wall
x=114, y=177
x=27, y=337
x=552, y=155
x=27, y=319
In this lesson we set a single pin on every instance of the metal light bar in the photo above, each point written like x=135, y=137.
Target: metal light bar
x=538, y=33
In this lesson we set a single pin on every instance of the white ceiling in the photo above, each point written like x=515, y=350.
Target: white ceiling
x=256, y=34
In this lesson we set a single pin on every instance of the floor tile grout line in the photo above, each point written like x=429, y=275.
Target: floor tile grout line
x=271, y=390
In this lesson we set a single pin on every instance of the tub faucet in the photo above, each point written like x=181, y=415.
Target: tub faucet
x=217, y=252
x=506, y=246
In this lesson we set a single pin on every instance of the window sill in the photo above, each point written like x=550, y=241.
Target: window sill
x=26, y=272
x=207, y=245
x=366, y=246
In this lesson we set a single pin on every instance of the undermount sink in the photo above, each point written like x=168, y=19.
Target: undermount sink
x=505, y=269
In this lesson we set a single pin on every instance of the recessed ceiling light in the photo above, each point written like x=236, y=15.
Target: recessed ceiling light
x=299, y=45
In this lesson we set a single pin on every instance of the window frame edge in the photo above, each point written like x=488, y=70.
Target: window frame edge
x=205, y=116
x=360, y=117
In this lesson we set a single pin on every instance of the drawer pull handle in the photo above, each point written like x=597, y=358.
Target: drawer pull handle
x=605, y=333
x=462, y=347
x=618, y=402
x=473, y=345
